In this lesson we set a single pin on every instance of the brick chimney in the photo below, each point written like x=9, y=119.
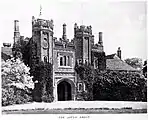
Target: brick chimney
x=100, y=39
x=119, y=52
x=64, y=32
x=16, y=31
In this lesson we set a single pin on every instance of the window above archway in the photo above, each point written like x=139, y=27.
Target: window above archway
x=65, y=60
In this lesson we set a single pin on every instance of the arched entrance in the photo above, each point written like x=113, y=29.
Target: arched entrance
x=64, y=90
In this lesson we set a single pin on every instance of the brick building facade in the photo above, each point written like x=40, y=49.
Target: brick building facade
x=62, y=53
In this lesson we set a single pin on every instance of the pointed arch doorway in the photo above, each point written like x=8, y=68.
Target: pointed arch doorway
x=65, y=90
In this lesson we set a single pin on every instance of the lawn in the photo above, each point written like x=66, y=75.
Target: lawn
x=76, y=111
x=77, y=107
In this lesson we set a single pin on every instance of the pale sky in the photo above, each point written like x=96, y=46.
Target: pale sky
x=123, y=23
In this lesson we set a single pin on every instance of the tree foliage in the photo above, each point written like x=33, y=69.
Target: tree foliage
x=134, y=62
x=144, y=69
x=121, y=86
x=15, y=72
x=17, y=83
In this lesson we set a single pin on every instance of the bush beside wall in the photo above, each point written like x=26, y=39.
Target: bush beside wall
x=112, y=85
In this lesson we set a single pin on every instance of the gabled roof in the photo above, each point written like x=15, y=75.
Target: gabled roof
x=111, y=56
x=113, y=62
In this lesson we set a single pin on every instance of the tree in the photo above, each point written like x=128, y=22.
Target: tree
x=134, y=62
x=144, y=69
x=119, y=86
x=16, y=80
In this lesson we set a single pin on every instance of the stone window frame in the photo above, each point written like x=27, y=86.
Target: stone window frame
x=45, y=39
x=45, y=59
x=65, y=60
x=80, y=87
x=61, y=61
x=84, y=87
x=96, y=62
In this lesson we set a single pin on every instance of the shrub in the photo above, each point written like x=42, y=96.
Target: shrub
x=12, y=95
x=17, y=84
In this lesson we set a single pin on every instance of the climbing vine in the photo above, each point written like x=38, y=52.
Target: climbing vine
x=112, y=85
x=42, y=73
x=86, y=75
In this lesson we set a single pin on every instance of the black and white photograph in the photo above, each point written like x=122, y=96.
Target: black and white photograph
x=73, y=57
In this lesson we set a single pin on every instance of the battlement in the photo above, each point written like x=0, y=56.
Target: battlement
x=7, y=44
x=83, y=28
x=97, y=47
x=41, y=23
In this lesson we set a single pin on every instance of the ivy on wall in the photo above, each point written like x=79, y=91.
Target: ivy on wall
x=42, y=73
x=112, y=85
x=86, y=75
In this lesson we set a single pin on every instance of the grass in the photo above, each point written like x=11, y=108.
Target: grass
x=76, y=111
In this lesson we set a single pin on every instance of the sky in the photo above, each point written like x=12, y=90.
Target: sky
x=123, y=23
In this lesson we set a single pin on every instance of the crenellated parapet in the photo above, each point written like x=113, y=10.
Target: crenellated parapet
x=97, y=48
x=82, y=29
x=42, y=24
x=62, y=44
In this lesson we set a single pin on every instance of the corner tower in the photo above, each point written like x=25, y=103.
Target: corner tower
x=42, y=36
x=83, y=42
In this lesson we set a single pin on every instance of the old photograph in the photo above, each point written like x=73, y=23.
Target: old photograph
x=73, y=57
